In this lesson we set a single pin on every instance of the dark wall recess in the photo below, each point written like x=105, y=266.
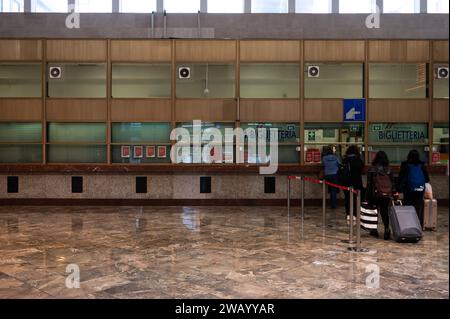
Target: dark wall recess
x=141, y=184
x=13, y=184
x=205, y=184
x=77, y=184
x=269, y=185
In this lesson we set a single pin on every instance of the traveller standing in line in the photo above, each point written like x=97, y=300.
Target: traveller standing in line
x=351, y=175
x=380, y=189
x=411, y=182
x=330, y=167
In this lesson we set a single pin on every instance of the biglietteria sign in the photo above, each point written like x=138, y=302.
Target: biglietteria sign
x=398, y=133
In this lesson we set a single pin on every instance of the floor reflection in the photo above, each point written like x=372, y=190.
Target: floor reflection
x=210, y=252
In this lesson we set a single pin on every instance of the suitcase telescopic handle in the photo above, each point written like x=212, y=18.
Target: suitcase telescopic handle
x=398, y=202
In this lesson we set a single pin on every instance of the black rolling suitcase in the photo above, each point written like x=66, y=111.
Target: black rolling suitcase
x=404, y=222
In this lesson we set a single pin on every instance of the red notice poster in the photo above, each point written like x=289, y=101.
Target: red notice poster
x=138, y=152
x=125, y=151
x=150, y=151
x=162, y=151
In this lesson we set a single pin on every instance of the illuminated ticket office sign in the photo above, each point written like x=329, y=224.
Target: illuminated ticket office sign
x=404, y=133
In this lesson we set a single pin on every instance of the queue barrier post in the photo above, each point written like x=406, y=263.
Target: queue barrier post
x=324, y=199
x=302, y=182
x=358, y=247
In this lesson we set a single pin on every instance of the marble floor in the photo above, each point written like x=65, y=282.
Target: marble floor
x=209, y=252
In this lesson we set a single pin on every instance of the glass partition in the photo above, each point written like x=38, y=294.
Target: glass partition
x=437, y=6
x=440, y=143
x=270, y=80
x=76, y=153
x=77, y=80
x=440, y=84
x=343, y=80
x=206, y=81
x=141, y=80
x=339, y=136
x=77, y=132
x=20, y=143
x=397, y=139
x=288, y=139
x=97, y=6
x=398, y=80
x=357, y=6
x=140, y=143
x=76, y=143
x=11, y=6
x=20, y=80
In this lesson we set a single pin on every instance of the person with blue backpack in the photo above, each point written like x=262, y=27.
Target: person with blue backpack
x=411, y=181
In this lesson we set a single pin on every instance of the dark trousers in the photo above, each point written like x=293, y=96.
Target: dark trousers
x=382, y=205
x=415, y=199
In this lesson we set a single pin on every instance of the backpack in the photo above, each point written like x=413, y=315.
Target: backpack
x=416, y=179
x=344, y=175
x=382, y=185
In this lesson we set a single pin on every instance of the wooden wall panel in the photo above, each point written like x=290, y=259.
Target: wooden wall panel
x=141, y=50
x=330, y=111
x=330, y=50
x=398, y=111
x=140, y=110
x=205, y=110
x=269, y=110
x=399, y=51
x=440, y=110
x=76, y=50
x=20, y=110
x=15, y=50
x=440, y=51
x=76, y=110
x=267, y=51
x=205, y=51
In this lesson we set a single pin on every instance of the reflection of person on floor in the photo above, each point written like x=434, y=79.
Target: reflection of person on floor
x=330, y=168
x=353, y=159
x=191, y=220
x=380, y=181
x=411, y=182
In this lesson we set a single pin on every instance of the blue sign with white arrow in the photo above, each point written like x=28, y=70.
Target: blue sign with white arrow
x=354, y=110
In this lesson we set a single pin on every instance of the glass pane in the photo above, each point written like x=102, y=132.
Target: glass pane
x=441, y=141
x=77, y=132
x=440, y=133
x=313, y=6
x=401, y=6
x=207, y=81
x=229, y=6
x=137, y=6
x=276, y=80
x=22, y=153
x=389, y=80
x=398, y=133
x=343, y=80
x=78, y=80
x=20, y=80
x=357, y=6
x=140, y=80
x=11, y=5
x=286, y=155
x=269, y=6
x=398, y=154
x=76, y=153
x=49, y=6
x=440, y=86
x=147, y=156
x=21, y=132
x=182, y=6
x=287, y=132
x=331, y=133
x=437, y=6
x=141, y=132
x=313, y=153
x=205, y=126
x=93, y=6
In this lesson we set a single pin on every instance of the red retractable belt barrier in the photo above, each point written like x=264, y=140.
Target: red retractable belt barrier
x=318, y=181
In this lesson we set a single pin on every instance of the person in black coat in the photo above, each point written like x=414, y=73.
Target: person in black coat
x=380, y=166
x=410, y=197
x=353, y=160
